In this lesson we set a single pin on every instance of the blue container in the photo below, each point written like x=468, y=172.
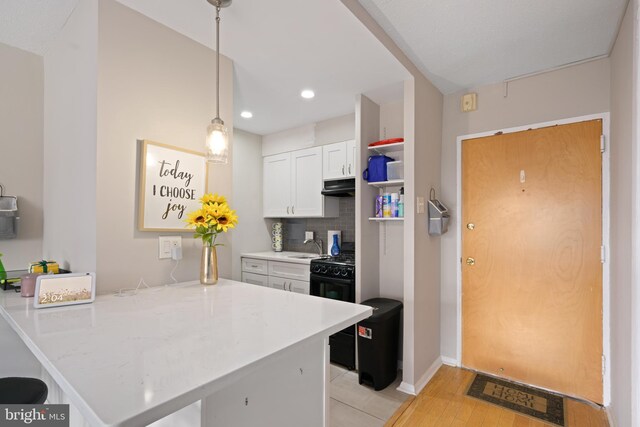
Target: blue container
x=377, y=170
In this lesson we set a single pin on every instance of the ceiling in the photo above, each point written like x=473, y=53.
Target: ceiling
x=460, y=44
x=280, y=49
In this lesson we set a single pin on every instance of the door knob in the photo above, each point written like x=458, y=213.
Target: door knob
x=471, y=261
x=471, y=226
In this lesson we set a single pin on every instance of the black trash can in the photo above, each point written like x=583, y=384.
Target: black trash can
x=378, y=343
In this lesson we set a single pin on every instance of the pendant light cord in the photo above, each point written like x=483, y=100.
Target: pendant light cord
x=218, y=62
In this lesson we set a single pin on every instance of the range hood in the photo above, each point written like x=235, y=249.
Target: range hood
x=340, y=188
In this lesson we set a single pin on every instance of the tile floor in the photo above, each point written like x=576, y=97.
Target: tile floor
x=354, y=405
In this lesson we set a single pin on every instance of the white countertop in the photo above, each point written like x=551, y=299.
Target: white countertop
x=282, y=256
x=132, y=360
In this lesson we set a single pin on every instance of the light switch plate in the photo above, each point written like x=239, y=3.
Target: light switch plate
x=420, y=205
x=166, y=243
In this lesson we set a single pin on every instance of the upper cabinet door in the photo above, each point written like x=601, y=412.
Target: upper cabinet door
x=277, y=186
x=306, y=181
x=334, y=161
x=351, y=158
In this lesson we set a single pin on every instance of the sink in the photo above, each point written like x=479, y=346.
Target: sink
x=303, y=256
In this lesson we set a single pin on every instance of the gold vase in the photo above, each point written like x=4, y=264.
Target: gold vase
x=209, y=266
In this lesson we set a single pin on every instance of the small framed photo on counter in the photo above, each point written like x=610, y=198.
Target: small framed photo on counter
x=64, y=289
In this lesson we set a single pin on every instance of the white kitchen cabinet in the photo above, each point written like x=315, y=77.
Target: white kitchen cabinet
x=299, y=286
x=306, y=183
x=351, y=158
x=339, y=160
x=289, y=270
x=286, y=276
x=276, y=199
x=289, y=285
x=292, y=186
x=255, y=279
x=278, y=283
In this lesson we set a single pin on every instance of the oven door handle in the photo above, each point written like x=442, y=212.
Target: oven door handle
x=339, y=280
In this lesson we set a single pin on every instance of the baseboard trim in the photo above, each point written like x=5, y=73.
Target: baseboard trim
x=408, y=388
x=450, y=361
x=607, y=410
x=422, y=382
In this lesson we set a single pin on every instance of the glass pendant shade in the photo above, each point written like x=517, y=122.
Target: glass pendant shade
x=217, y=142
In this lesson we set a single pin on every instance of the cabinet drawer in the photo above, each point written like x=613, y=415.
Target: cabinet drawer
x=278, y=283
x=255, y=279
x=258, y=266
x=289, y=270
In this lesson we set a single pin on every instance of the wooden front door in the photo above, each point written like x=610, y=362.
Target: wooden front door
x=531, y=257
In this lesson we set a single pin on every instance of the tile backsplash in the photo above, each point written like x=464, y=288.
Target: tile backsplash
x=294, y=228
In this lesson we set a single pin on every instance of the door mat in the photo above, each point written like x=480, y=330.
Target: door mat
x=530, y=401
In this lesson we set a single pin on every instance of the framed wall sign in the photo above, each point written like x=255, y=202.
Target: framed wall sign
x=64, y=289
x=172, y=180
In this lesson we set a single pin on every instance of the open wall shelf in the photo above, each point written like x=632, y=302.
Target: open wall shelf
x=390, y=183
x=388, y=148
x=385, y=219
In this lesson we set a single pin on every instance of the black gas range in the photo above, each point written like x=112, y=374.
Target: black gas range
x=335, y=278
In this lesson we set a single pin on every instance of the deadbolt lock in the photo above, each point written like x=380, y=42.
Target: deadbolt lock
x=471, y=261
x=471, y=226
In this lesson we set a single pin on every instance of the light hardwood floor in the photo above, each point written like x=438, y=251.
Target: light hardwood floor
x=443, y=403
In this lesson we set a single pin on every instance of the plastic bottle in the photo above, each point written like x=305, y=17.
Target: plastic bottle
x=335, y=249
x=394, y=205
x=401, y=204
x=386, y=205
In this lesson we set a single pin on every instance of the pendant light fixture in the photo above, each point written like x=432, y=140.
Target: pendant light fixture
x=217, y=143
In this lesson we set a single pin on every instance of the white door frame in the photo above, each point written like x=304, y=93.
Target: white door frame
x=606, y=178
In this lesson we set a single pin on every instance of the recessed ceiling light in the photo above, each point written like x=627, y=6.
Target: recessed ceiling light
x=307, y=94
x=246, y=114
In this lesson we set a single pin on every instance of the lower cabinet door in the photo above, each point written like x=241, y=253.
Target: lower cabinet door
x=279, y=283
x=299, y=286
x=255, y=279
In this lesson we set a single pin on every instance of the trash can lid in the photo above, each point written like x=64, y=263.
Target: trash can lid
x=383, y=308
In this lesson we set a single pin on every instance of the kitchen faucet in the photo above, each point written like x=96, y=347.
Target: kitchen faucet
x=319, y=245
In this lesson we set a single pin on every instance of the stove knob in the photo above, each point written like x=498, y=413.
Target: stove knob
x=345, y=272
x=336, y=271
x=323, y=270
x=315, y=268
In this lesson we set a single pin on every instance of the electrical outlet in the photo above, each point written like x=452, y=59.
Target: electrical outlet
x=308, y=235
x=166, y=243
x=420, y=205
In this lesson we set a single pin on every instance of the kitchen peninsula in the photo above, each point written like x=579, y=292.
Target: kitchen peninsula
x=252, y=355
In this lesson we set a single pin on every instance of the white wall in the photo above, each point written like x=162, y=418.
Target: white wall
x=391, y=262
x=635, y=173
x=328, y=131
x=337, y=129
x=569, y=92
x=21, y=144
x=159, y=85
x=621, y=221
x=423, y=136
x=70, y=87
x=253, y=233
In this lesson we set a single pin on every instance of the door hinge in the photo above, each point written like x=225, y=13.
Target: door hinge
x=602, y=143
x=603, y=256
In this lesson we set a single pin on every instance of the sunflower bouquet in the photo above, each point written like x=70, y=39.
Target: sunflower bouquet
x=214, y=217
